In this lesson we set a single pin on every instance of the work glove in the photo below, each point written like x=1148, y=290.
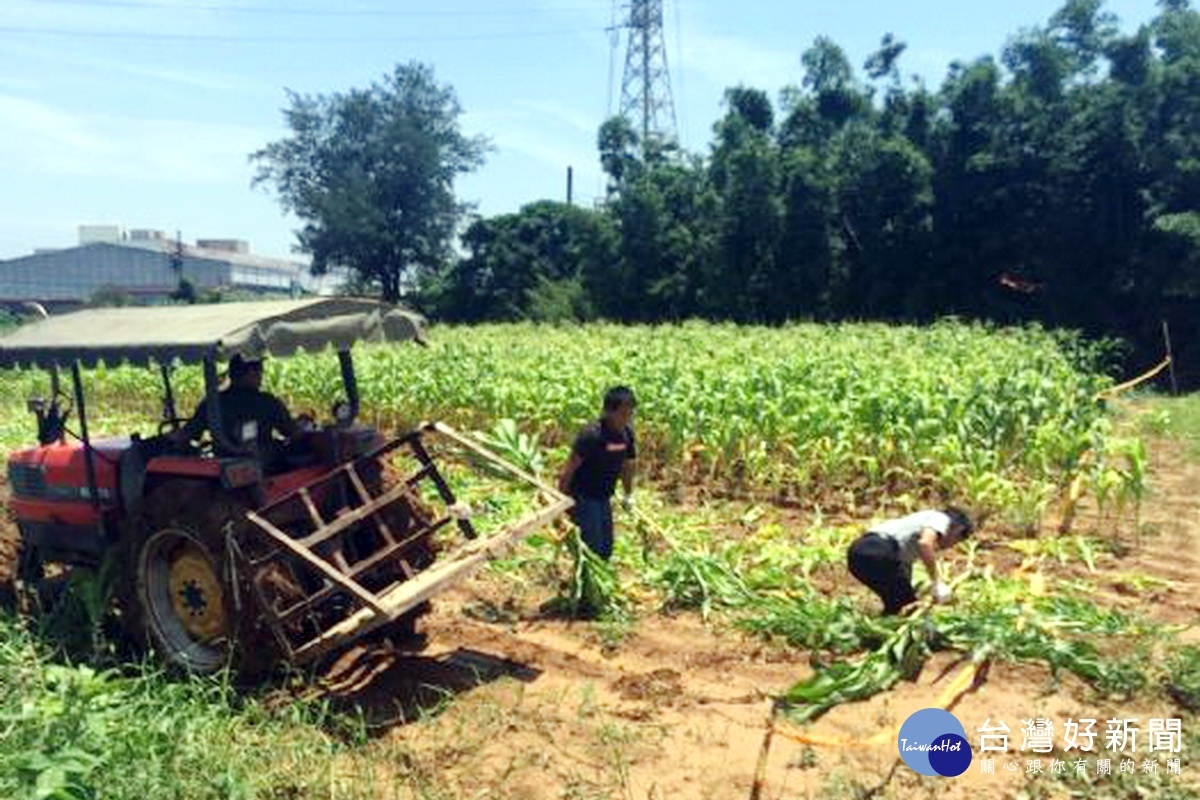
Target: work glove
x=941, y=592
x=627, y=503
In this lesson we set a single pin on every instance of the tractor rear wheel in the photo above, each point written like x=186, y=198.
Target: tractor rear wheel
x=183, y=602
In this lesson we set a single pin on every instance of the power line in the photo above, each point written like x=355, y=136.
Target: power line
x=315, y=39
x=682, y=105
x=315, y=12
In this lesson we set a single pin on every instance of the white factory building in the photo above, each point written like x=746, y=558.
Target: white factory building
x=147, y=265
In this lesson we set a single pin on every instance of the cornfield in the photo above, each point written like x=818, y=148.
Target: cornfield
x=994, y=417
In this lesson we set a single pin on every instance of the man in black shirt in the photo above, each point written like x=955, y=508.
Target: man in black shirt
x=249, y=416
x=603, y=452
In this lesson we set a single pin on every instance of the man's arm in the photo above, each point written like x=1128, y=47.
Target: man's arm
x=194, y=427
x=281, y=418
x=627, y=471
x=926, y=547
x=628, y=467
x=568, y=472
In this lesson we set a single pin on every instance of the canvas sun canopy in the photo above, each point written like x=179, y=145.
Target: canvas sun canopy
x=190, y=333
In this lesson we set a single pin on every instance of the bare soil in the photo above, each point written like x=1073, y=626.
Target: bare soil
x=537, y=708
x=533, y=707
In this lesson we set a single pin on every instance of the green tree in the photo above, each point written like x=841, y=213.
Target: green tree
x=662, y=207
x=885, y=201
x=746, y=176
x=527, y=265
x=370, y=172
x=807, y=239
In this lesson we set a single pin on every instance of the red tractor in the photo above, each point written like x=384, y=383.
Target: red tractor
x=224, y=554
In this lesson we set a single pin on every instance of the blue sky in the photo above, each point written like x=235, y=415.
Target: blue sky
x=142, y=113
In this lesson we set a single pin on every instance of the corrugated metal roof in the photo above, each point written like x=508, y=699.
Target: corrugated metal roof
x=189, y=333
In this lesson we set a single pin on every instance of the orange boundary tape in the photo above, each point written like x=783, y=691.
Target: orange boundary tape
x=958, y=686
x=1166, y=362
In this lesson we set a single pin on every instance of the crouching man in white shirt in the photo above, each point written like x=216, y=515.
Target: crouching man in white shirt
x=882, y=557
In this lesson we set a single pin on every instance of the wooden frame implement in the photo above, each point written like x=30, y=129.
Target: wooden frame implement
x=339, y=601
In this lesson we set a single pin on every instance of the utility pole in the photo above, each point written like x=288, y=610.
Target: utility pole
x=646, y=86
x=177, y=256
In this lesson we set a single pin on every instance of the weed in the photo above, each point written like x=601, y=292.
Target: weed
x=1182, y=681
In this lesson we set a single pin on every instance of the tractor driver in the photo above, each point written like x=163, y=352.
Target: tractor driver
x=248, y=414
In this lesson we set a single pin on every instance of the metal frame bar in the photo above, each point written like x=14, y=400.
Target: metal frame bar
x=89, y=456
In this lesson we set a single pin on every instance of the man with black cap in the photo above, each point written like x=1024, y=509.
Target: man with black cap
x=249, y=416
x=882, y=557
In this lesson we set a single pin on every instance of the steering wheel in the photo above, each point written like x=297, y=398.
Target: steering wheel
x=172, y=424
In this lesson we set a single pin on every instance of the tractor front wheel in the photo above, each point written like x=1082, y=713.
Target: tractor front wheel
x=183, y=601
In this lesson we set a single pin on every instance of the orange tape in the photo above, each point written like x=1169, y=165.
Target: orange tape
x=1166, y=362
x=957, y=686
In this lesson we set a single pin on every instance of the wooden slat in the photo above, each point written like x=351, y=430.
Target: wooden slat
x=419, y=475
x=338, y=557
x=303, y=552
x=447, y=495
x=311, y=506
x=411, y=593
x=352, y=517
x=476, y=447
x=378, y=558
x=313, y=600
x=366, y=498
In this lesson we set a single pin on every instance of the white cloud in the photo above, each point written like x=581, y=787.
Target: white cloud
x=42, y=138
x=40, y=128
x=196, y=79
x=572, y=117
x=555, y=136
x=725, y=61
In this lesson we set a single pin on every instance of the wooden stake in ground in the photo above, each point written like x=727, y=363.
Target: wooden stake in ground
x=760, y=771
x=1170, y=358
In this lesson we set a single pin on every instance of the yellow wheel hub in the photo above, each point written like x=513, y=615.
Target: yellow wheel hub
x=196, y=594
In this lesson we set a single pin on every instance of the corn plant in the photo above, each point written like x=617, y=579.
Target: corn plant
x=593, y=589
x=899, y=656
x=521, y=449
x=689, y=579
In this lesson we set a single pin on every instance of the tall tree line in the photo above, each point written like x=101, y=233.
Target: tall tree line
x=1057, y=182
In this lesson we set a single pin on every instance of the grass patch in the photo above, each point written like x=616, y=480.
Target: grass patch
x=1174, y=417
x=1183, y=678
x=75, y=732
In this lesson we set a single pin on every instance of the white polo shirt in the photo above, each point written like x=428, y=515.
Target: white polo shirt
x=906, y=531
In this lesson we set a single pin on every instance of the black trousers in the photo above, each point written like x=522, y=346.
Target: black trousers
x=875, y=561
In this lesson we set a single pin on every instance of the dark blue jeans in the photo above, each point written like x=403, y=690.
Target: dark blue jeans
x=594, y=518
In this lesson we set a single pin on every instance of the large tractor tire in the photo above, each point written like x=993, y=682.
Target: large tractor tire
x=181, y=601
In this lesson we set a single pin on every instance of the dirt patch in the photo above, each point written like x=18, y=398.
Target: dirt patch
x=507, y=702
x=678, y=708
x=660, y=687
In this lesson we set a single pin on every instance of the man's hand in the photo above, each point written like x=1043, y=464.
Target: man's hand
x=941, y=592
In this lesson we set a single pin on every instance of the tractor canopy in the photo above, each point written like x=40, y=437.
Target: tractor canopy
x=197, y=333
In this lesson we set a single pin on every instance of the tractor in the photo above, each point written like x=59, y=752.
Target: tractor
x=222, y=554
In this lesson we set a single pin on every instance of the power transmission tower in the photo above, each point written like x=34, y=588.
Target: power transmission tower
x=646, y=86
